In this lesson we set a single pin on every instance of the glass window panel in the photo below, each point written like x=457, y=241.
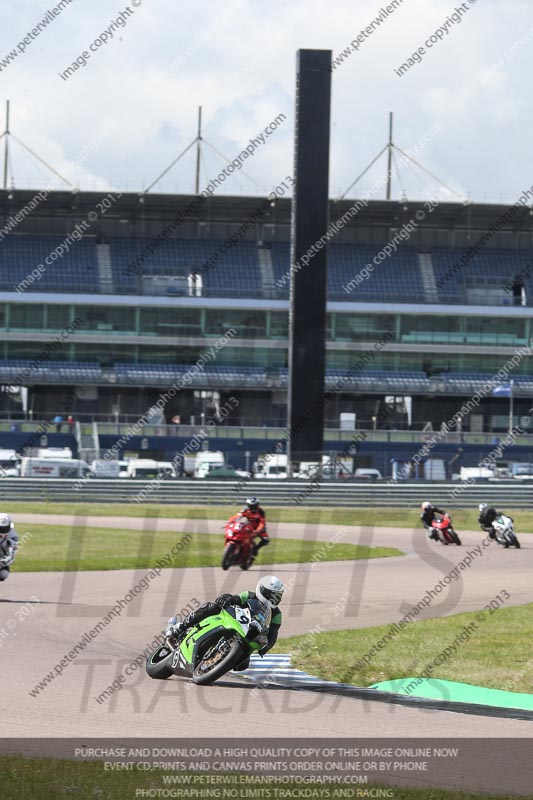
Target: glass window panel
x=362, y=327
x=58, y=317
x=431, y=329
x=103, y=354
x=485, y=330
x=26, y=317
x=279, y=324
x=248, y=324
x=35, y=350
x=169, y=354
x=105, y=319
x=171, y=321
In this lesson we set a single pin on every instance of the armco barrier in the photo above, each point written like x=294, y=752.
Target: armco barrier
x=510, y=494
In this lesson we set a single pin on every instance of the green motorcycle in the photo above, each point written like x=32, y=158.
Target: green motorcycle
x=213, y=647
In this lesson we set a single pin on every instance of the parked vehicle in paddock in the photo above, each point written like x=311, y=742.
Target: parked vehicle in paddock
x=366, y=474
x=102, y=468
x=442, y=526
x=206, y=461
x=56, y=453
x=215, y=646
x=522, y=472
x=238, y=544
x=275, y=468
x=148, y=468
x=503, y=527
x=54, y=468
x=9, y=464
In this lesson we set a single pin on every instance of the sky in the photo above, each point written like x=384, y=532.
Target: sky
x=461, y=108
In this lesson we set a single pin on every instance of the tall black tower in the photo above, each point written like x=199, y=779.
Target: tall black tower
x=307, y=320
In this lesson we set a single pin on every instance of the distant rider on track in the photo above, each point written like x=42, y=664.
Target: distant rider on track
x=487, y=516
x=257, y=518
x=427, y=516
x=9, y=542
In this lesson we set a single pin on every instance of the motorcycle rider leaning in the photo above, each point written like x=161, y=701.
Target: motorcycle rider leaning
x=269, y=590
x=8, y=545
x=257, y=518
x=427, y=516
x=487, y=515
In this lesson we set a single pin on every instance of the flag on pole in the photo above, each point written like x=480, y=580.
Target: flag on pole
x=502, y=391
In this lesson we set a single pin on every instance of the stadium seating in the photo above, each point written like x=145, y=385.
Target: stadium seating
x=396, y=278
x=486, y=269
x=236, y=271
x=248, y=375
x=211, y=373
x=58, y=371
x=21, y=254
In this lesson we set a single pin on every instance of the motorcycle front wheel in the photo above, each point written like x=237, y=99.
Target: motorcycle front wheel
x=213, y=665
x=227, y=557
x=455, y=536
x=158, y=663
x=513, y=541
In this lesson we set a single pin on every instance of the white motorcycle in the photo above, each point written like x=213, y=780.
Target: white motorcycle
x=504, y=529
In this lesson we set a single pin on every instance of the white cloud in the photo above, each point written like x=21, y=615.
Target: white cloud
x=238, y=62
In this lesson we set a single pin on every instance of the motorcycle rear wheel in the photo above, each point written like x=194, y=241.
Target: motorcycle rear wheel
x=227, y=557
x=204, y=674
x=158, y=663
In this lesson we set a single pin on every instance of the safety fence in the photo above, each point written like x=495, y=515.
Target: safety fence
x=296, y=493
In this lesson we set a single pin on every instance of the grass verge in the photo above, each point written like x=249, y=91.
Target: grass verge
x=464, y=519
x=54, y=548
x=50, y=779
x=495, y=656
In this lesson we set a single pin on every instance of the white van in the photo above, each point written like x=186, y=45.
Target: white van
x=167, y=468
x=101, y=468
x=9, y=464
x=147, y=469
x=53, y=468
x=207, y=460
x=368, y=474
x=479, y=473
x=273, y=469
x=144, y=468
x=54, y=452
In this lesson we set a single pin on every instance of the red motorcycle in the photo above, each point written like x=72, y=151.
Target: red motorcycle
x=238, y=544
x=442, y=527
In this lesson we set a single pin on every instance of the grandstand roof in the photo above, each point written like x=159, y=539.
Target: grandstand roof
x=135, y=208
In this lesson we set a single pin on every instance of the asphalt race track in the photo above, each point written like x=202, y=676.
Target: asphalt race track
x=319, y=596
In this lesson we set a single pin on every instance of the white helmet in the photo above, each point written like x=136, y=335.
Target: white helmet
x=270, y=590
x=483, y=506
x=5, y=523
x=426, y=505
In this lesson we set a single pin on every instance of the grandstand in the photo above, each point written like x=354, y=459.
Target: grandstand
x=453, y=317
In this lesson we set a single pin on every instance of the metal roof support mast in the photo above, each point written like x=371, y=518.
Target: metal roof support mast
x=8, y=135
x=198, y=151
x=390, y=147
x=389, y=159
x=6, y=145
